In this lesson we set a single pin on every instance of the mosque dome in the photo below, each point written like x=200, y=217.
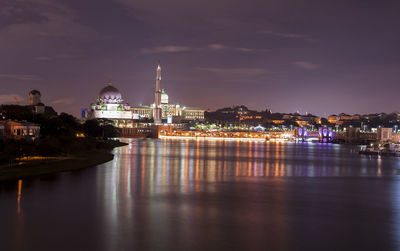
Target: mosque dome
x=110, y=95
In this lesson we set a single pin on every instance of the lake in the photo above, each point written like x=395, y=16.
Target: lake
x=210, y=195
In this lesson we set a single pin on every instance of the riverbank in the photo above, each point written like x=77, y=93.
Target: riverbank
x=35, y=167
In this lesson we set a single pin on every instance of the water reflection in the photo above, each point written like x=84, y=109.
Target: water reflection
x=212, y=195
x=19, y=197
x=187, y=163
x=157, y=186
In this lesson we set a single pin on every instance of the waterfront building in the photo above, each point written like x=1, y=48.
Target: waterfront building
x=192, y=113
x=332, y=119
x=142, y=112
x=344, y=117
x=173, y=110
x=167, y=112
x=111, y=106
x=301, y=122
x=164, y=97
x=19, y=130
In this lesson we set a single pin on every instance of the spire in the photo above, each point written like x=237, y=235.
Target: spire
x=157, y=109
x=158, y=71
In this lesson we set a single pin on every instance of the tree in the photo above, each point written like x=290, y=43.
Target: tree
x=17, y=112
x=92, y=128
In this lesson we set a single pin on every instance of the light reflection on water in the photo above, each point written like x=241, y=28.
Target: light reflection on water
x=163, y=162
x=211, y=195
x=153, y=168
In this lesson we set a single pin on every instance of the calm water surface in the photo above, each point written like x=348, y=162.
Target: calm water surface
x=210, y=195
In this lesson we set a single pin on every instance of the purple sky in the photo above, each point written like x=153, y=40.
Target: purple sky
x=317, y=56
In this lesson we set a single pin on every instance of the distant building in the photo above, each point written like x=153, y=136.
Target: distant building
x=192, y=113
x=164, y=97
x=332, y=119
x=236, y=115
x=111, y=106
x=19, y=130
x=344, y=117
x=163, y=111
x=34, y=101
x=142, y=112
x=384, y=134
x=36, y=105
x=34, y=97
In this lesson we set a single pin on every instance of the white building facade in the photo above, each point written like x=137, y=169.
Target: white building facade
x=110, y=105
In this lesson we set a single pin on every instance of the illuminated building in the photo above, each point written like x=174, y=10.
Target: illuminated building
x=344, y=117
x=164, y=97
x=332, y=119
x=19, y=130
x=142, y=111
x=192, y=113
x=110, y=105
x=171, y=110
x=164, y=111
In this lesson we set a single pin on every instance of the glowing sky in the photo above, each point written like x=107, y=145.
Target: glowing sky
x=317, y=56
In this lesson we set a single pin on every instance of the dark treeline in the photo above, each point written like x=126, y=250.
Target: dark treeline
x=59, y=134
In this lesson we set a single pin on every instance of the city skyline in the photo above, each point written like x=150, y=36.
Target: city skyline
x=280, y=55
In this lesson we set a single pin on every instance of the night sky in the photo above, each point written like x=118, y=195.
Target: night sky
x=320, y=57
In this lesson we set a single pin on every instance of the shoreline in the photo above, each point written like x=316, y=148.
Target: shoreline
x=71, y=163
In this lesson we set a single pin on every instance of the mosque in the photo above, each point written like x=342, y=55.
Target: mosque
x=111, y=106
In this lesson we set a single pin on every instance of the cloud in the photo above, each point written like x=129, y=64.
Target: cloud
x=61, y=56
x=237, y=71
x=40, y=21
x=63, y=101
x=285, y=35
x=166, y=48
x=220, y=47
x=11, y=99
x=217, y=47
x=22, y=77
x=306, y=65
x=182, y=48
x=208, y=14
x=244, y=49
x=289, y=35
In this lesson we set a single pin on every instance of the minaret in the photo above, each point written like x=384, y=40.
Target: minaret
x=157, y=103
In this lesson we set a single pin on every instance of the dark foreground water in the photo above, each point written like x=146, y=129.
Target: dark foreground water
x=191, y=195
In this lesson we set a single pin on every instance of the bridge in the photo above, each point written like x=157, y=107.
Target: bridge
x=327, y=134
x=323, y=134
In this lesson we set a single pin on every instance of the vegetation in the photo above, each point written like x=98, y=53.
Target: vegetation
x=76, y=145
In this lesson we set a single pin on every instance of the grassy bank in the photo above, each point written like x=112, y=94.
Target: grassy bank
x=61, y=164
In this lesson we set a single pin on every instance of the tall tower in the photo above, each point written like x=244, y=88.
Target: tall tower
x=157, y=103
x=34, y=97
